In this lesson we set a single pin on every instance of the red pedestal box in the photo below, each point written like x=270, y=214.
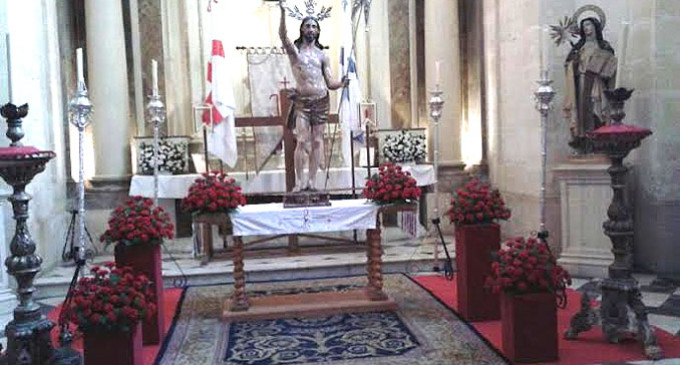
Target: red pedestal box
x=474, y=246
x=146, y=259
x=529, y=327
x=105, y=347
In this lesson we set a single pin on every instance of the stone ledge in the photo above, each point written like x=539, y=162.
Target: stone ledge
x=100, y=193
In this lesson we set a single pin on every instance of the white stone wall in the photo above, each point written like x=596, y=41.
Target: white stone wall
x=654, y=71
x=512, y=66
x=36, y=80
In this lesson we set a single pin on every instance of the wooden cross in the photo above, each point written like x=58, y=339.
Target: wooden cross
x=285, y=83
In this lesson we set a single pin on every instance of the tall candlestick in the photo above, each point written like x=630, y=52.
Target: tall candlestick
x=154, y=76
x=9, y=69
x=79, y=65
x=437, y=66
x=623, y=43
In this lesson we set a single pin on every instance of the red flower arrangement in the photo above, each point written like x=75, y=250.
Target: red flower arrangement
x=477, y=203
x=526, y=266
x=114, y=299
x=138, y=222
x=213, y=193
x=391, y=185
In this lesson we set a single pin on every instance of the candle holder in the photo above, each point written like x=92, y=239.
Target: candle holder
x=156, y=111
x=436, y=105
x=80, y=109
x=543, y=96
x=28, y=334
x=622, y=311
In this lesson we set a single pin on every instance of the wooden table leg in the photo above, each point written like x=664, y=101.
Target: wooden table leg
x=206, y=242
x=374, y=289
x=239, y=299
x=293, y=247
x=224, y=227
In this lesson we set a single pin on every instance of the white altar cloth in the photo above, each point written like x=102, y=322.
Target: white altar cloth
x=274, y=219
x=270, y=181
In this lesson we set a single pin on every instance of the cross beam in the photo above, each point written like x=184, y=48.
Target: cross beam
x=289, y=141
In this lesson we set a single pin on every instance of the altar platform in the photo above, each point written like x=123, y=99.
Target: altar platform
x=271, y=260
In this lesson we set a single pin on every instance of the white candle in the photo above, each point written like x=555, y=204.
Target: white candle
x=79, y=65
x=154, y=76
x=9, y=69
x=623, y=43
x=544, y=50
x=437, y=66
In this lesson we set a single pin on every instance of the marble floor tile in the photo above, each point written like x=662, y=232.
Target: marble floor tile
x=53, y=302
x=644, y=279
x=666, y=323
x=654, y=299
x=577, y=283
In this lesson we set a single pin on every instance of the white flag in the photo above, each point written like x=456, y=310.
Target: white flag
x=222, y=141
x=351, y=96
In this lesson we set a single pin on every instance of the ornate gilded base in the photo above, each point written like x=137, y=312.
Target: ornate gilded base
x=622, y=314
x=310, y=198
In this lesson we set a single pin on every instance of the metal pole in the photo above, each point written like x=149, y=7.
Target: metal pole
x=436, y=104
x=157, y=112
x=544, y=95
x=80, y=109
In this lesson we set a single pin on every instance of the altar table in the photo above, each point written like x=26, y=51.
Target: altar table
x=269, y=181
x=258, y=219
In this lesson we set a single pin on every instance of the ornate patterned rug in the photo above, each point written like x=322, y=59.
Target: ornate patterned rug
x=421, y=331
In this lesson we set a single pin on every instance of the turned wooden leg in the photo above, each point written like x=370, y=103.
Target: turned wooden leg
x=224, y=227
x=293, y=246
x=239, y=299
x=206, y=242
x=375, y=281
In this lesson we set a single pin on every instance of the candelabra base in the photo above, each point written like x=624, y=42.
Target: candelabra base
x=28, y=342
x=621, y=315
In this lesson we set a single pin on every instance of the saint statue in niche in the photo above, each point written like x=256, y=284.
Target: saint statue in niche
x=590, y=69
x=310, y=100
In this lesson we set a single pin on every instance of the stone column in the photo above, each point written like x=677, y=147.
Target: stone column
x=379, y=70
x=442, y=45
x=37, y=80
x=107, y=81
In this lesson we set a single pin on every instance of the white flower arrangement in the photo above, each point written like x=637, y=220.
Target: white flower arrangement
x=172, y=157
x=404, y=147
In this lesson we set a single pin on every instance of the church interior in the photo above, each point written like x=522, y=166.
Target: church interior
x=274, y=182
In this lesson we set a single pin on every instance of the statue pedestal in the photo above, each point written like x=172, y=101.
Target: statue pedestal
x=585, y=194
x=306, y=198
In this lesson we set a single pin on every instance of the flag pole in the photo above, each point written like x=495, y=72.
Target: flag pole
x=205, y=146
x=345, y=88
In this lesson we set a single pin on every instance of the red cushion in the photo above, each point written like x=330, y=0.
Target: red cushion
x=19, y=151
x=620, y=131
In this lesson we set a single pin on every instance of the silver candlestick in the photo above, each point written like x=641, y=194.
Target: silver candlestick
x=157, y=112
x=436, y=104
x=544, y=96
x=80, y=109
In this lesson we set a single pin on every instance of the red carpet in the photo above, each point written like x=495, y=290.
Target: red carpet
x=588, y=349
x=172, y=298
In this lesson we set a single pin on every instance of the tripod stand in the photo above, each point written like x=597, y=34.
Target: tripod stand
x=448, y=263
x=68, y=253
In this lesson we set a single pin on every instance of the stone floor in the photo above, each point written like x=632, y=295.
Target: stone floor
x=265, y=261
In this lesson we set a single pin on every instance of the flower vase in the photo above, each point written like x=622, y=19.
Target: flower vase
x=474, y=247
x=146, y=259
x=113, y=347
x=529, y=327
